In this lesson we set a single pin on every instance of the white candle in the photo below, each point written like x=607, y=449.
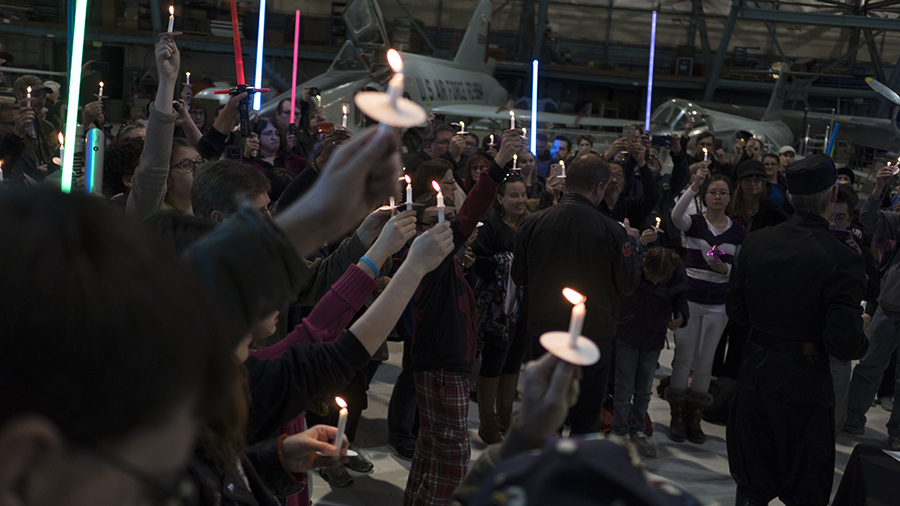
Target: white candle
x=409, y=201
x=393, y=212
x=62, y=149
x=515, y=161
x=28, y=96
x=171, y=18
x=512, y=120
x=492, y=140
x=187, y=77
x=562, y=165
x=657, y=223
x=1, y=172
x=319, y=100
x=462, y=127
x=395, y=87
x=705, y=155
x=100, y=95
x=341, y=427
x=524, y=132
x=344, y=121
x=576, y=323
x=440, y=201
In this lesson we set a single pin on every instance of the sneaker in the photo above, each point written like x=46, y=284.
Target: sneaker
x=887, y=404
x=359, y=463
x=894, y=443
x=856, y=431
x=336, y=476
x=642, y=444
x=404, y=452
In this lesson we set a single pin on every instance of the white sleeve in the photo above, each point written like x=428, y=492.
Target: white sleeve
x=679, y=212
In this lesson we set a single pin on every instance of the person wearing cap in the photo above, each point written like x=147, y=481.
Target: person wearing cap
x=776, y=182
x=799, y=289
x=786, y=154
x=846, y=176
x=884, y=334
x=42, y=142
x=751, y=207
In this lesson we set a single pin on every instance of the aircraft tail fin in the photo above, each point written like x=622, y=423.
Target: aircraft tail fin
x=776, y=102
x=472, y=52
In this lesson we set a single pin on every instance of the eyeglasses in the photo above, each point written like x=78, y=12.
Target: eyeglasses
x=188, y=165
x=449, y=183
x=617, y=175
x=179, y=493
x=718, y=194
x=653, y=157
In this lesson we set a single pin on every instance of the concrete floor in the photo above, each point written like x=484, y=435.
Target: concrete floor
x=701, y=469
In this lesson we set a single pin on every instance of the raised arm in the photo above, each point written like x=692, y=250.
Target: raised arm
x=883, y=223
x=679, y=213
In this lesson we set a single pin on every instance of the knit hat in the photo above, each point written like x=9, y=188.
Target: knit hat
x=785, y=149
x=751, y=168
x=811, y=175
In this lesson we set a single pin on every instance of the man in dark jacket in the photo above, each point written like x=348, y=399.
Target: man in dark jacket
x=781, y=431
x=438, y=141
x=574, y=245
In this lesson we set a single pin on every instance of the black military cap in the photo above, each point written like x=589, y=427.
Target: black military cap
x=811, y=175
x=751, y=168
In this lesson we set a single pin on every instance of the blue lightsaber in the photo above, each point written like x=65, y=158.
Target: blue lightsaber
x=833, y=140
x=534, y=89
x=650, y=72
x=260, y=39
x=78, y=28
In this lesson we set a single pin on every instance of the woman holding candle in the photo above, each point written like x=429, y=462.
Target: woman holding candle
x=695, y=345
x=503, y=346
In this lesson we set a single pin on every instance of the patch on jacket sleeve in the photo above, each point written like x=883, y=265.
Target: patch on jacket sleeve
x=626, y=249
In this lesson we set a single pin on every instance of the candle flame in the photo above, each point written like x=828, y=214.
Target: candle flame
x=704, y=151
x=573, y=296
x=188, y=74
x=462, y=126
x=344, y=108
x=340, y=402
x=657, y=221
x=62, y=139
x=436, y=186
x=101, y=82
x=512, y=114
x=29, y=90
x=524, y=132
x=408, y=179
x=394, y=60
x=562, y=163
x=515, y=157
x=171, y=10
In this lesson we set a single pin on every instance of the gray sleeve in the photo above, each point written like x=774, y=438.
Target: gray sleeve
x=883, y=223
x=148, y=185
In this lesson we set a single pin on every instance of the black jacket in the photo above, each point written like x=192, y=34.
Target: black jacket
x=574, y=245
x=494, y=237
x=796, y=283
x=644, y=315
x=768, y=215
x=635, y=209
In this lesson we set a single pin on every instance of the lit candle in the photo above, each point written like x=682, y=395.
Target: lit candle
x=562, y=165
x=393, y=212
x=341, y=426
x=100, y=95
x=187, y=77
x=515, y=162
x=657, y=223
x=395, y=86
x=577, y=321
x=62, y=148
x=440, y=201
x=319, y=99
x=408, y=192
x=28, y=96
x=171, y=18
x=344, y=121
x=705, y=155
x=462, y=127
x=524, y=132
x=1, y=172
x=512, y=120
x=492, y=140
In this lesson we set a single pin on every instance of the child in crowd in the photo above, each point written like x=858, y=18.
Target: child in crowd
x=660, y=303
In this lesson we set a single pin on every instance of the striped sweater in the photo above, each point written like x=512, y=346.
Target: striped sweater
x=705, y=285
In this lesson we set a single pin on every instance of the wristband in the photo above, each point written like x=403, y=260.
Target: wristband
x=371, y=264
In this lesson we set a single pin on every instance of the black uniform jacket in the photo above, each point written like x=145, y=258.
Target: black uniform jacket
x=574, y=245
x=796, y=283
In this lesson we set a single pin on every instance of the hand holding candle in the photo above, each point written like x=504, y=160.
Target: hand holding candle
x=440, y=201
x=28, y=96
x=571, y=346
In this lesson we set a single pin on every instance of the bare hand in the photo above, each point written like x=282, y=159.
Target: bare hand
x=300, y=452
x=251, y=145
x=698, y=178
x=472, y=237
x=468, y=258
x=688, y=127
x=867, y=320
x=648, y=236
x=739, y=145
x=853, y=245
x=883, y=179
x=24, y=118
x=639, y=151
x=184, y=117
x=457, y=145
x=633, y=232
x=225, y=120
x=431, y=248
x=187, y=93
x=291, y=141
x=675, y=145
x=168, y=59
x=720, y=155
x=86, y=69
x=306, y=92
x=676, y=322
x=551, y=388
x=432, y=117
x=620, y=144
x=395, y=233
x=92, y=112
x=717, y=265
x=511, y=145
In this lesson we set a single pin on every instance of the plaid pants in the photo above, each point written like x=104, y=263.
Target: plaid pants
x=442, y=450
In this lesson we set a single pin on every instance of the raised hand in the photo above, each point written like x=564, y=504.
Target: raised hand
x=300, y=452
x=168, y=59
x=394, y=234
x=431, y=248
x=24, y=118
x=512, y=143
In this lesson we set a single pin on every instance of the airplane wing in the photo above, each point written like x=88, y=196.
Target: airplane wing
x=502, y=114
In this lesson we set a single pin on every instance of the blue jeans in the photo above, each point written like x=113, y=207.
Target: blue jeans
x=634, y=377
x=884, y=336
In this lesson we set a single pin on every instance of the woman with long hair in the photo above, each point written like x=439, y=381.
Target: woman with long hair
x=751, y=206
x=266, y=149
x=528, y=172
x=503, y=347
x=472, y=170
x=713, y=241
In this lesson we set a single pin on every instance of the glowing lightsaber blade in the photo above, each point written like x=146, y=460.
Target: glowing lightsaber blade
x=239, y=68
x=833, y=140
x=238, y=56
x=68, y=161
x=294, y=74
x=260, y=41
x=534, y=90
x=650, y=72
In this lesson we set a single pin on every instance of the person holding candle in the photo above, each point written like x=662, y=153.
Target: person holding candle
x=42, y=143
x=18, y=166
x=617, y=204
x=599, y=260
x=718, y=163
x=695, y=345
x=444, y=343
x=659, y=304
x=439, y=140
x=503, y=346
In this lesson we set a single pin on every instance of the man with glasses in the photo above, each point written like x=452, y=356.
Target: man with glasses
x=715, y=155
x=438, y=141
x=619, y=206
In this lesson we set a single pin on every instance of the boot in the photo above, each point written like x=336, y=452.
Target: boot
x=487, y=396
x=506, y=394
x=696, y=402
x=677, y=405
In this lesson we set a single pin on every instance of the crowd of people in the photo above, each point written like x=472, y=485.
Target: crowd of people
x=184, y=338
